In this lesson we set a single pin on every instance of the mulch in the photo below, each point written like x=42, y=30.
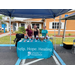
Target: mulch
x=2, y=33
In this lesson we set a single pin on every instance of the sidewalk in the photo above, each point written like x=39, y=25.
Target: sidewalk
x=5, y=34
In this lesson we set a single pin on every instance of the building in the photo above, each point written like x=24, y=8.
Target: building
x=49, y=23
x=15, y=24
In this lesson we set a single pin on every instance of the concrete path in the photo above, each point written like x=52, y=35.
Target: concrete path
x=5, y=34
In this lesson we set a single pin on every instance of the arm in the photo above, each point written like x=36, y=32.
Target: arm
x=33, y=31
x=27, y=34
x=41, y=31
x=46, y=33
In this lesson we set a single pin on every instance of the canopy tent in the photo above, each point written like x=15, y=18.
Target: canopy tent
x=69, y=17
x=33, y=13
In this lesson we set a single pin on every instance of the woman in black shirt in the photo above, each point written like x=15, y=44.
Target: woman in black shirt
x=35, y=31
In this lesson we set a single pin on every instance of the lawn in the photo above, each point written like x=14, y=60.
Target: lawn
x=6, y=40
x=67, y=39
x=62, y=34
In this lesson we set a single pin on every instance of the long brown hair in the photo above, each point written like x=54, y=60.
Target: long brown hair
x=28, y=27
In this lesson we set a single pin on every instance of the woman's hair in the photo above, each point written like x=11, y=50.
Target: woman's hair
x=29, y=26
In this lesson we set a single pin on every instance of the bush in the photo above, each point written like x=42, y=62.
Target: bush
x=0, y=31
x=5, y=30
x=69, y=34
x=40, y=30
x=22, y=30
x=18, y=32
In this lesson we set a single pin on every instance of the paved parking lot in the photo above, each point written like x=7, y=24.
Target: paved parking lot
x=9, y=57
x=66, y=54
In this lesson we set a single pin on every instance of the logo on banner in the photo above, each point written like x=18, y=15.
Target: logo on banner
x=29, y=53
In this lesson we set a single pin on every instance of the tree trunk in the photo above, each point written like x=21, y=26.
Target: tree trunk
x=59, y=25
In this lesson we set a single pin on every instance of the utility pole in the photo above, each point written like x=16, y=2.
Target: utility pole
x=59, y=25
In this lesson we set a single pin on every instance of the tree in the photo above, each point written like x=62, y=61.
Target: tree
x=1, y=17
x=12, y=17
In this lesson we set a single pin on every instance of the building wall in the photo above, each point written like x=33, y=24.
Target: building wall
x=70, y=25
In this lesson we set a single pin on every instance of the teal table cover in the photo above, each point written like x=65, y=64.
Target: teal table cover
x=34, y=49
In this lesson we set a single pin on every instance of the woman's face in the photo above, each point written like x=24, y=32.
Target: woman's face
x=29, y=27
x=35, y=26
x=44, y=27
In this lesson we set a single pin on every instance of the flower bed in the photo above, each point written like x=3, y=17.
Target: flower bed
x=2, y=33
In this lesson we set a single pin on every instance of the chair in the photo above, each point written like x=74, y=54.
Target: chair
x=18, y=37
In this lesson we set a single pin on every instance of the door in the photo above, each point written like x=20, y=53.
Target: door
x=14, y=27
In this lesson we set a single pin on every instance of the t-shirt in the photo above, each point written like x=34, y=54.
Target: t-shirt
x=29, y=32
x=44, y=32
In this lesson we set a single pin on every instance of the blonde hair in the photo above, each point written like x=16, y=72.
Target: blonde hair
x=28, y=27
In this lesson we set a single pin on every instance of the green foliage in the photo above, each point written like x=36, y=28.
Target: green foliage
x=18, y=32
x=69, y=34
x=1, y=17
x=12, y=17
x=0, y=31
x=21, y=30
x=40, y=30
x=3, y=22
x=5, y=30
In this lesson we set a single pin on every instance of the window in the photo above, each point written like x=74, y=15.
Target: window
x=35, y=24
x=22, y=24
x=56, y=25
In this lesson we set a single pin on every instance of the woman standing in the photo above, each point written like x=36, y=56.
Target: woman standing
x=44, y=31
x=29, y=31
x=35, y=31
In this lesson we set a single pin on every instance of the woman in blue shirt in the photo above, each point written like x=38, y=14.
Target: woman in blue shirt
x=44, y=31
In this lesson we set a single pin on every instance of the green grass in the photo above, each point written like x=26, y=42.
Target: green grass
x=6, y=40
x=58, y=40
x=67, y=39
x=61, y=34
